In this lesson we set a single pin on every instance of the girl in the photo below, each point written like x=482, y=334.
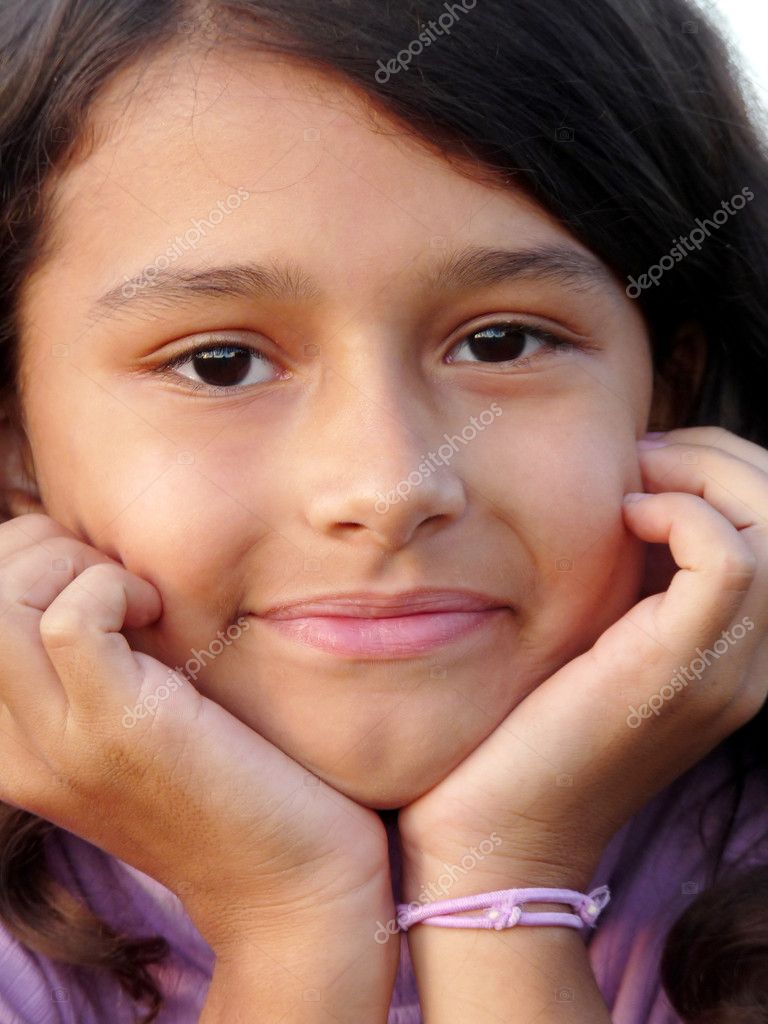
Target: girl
x=395, y=608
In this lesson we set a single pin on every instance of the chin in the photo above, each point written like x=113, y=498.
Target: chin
x=384, y=791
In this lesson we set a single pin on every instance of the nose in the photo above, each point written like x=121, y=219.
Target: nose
x=370, y=471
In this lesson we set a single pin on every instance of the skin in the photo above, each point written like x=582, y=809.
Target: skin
x=232, y=503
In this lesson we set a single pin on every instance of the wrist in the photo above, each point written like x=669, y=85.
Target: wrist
x=293, y=920
x=308, y=972
x=520, y=857
x=307, y=966
x=466, y=975
x=428, y=877
x=463, y=973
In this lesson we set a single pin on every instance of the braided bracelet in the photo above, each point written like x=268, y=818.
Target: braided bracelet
x=505, y=910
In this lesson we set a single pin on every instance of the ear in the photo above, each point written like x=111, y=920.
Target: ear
x=18, y=489
x=676, y=385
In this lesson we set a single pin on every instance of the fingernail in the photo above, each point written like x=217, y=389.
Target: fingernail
x=648, y=442
x=635, y=496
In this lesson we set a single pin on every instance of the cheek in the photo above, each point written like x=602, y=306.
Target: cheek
x=576, y=503
x=167, y=520
x=561, y=489
x=597, y=572
x=562, y=498
x=187, y=530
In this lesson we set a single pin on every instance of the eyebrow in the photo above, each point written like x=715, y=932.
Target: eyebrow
x=470, y=267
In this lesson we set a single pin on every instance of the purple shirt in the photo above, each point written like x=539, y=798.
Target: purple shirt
x=654, y=867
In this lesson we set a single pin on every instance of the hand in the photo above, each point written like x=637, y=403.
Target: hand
x=187, y=794
x=710, y=505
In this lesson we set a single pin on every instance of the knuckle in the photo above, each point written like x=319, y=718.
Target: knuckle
x=22, y=565
x=713, y=434
x=35, y=526
x=39, y=539
x=67, y=618
x=92, y=576
x=99, y=569
x=102, y=577
x=61, y=625
x=719, y=433
x=37, y=523
x=738, y=568
x=70, y=616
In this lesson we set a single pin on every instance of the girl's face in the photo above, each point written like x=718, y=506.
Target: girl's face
x=382, y=437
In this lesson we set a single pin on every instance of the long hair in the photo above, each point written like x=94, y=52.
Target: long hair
x=628, y=120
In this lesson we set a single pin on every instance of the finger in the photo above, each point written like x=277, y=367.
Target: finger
x=716, y=567
x=30, y=578
x=80, y=631
x=33, y=576
x=737, y=489
x=22, y=531
x=644, y=649
x=724, y=440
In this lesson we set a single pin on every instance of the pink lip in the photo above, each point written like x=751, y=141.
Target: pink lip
x=372, y=605
x=367, y=625
x=390, y=636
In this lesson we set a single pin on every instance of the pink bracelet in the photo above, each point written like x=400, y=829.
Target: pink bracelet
x=505, y=909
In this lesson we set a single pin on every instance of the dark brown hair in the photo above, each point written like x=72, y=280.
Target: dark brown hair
x=625, y=119
x=718, y=949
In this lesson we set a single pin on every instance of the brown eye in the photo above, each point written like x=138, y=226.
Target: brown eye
x=221, y=367
x=507, y=343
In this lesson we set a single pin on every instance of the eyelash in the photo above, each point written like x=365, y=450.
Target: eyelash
x=553, y=343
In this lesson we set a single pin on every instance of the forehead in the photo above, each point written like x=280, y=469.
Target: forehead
x=180, y=139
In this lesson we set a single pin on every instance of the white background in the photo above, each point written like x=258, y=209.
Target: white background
x=746, y=21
